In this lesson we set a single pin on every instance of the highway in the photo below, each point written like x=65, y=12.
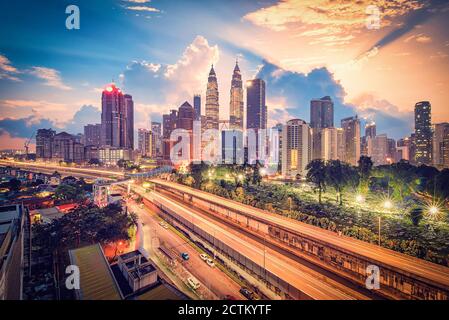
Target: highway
x=213, y=278
x=306, y=280
x=418, y=267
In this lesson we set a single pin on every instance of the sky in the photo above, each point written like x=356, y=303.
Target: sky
x=161, y=51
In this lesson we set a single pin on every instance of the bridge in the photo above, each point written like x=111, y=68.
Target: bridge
x=401, y=276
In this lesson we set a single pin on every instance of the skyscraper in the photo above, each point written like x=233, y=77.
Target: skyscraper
x=439, y=141
x=156, y=130
x=322, y=113
x=185, y=117
x=197, y=107
x=117, y=119
x=256, y=110
x=351, y=138
x=144, y=142
x=370, y=129
x=212, y=101
x=329, y=144
x=378, y=149
x=92, y=135
x=321, y=116
x=129, y=121
x=169, y=122
x=256, y=117
x=236, y=103
x=44, y=143
x=296, y=148
x=423, y=133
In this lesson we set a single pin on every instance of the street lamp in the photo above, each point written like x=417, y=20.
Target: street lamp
x=388, y=204
x=359, y=198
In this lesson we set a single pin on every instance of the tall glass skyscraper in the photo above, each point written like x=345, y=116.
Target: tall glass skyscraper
x=236, y=103
x=321, y=116
x=256, y=109
x=423, y=133
x=197, y=107
x=212, y=104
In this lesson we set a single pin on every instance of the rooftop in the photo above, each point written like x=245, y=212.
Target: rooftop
x=97, y=281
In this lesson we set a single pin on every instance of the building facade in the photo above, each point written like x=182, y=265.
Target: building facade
x=212, y=101
x=197, y=107
x=351, y=138
x=236, y=100
x=423, y=133
x=296, y=148
x=321, y=116
x=92, y=135
x=44, y=144
x=144, y=142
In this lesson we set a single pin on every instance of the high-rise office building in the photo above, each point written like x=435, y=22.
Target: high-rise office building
x=185, y=117
x=169, y=122
x=296, y=148
x=423, y=133
x=117, y=119
x=378, y=149
x=351, y=136
x=321, y=116
x=256, y=109
x=144, y=142
x=439, y=142
x=44, y=143
x=197, y=107
x=67, y=148
x=129, y=119
x=370, y=129
x=322, y=113
x=256, y=118
x=156, y=130
x=391, y=150
x=212, y=101
x=236, y=101
x=329, y=144
x=92, y=135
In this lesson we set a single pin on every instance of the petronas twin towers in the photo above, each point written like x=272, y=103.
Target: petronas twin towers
x=236, y=101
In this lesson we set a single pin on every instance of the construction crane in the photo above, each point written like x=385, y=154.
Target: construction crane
x=27, y=143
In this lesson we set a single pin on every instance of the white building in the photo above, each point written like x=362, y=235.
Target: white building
x=378, y=149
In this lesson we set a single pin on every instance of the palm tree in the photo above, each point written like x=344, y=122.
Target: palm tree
x=316, y=173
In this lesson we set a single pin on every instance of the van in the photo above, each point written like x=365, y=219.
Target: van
x=193, y=283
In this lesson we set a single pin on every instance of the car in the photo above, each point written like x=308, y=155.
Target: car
x=210, y=263
x=204, y=256
x=185, y=256
x=193, y=283
x=229, y=297
x=246, y=293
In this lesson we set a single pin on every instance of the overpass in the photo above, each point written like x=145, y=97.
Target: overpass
x=401, y=276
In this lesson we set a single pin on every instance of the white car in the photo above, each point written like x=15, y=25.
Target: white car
x=210, y=263
x=204, y=256
x=193, y=283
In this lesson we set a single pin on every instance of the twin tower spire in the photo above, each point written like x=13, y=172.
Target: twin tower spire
x=236, y=100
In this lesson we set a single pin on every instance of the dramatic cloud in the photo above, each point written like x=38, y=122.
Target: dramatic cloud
x=169, y=85
x=7, y=70
x=142, y=8
x=327, y=20
x=289, y=94
x=51, y=77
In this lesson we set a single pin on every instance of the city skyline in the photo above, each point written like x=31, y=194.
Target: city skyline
x=62, y=93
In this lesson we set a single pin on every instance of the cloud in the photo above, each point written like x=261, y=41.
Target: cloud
x=7, y=70
x=168, y=85
x=333, y=19
x=138, y=1
x=51, y=77
x=289, y=94
x=143, y=8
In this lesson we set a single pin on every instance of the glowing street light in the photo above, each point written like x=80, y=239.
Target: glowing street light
x=433, y=210
x=263, y=171
x=359, y=198
x=240, y=177
x=388, y=204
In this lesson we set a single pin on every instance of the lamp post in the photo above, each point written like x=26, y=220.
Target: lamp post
x=380, y=218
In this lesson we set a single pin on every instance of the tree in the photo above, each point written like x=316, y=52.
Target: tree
x=316, y=173
x=197, y=170
x=14, y=184
x=68, y=192
x=257, y=177
x=365, y=167
x=416, y=215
